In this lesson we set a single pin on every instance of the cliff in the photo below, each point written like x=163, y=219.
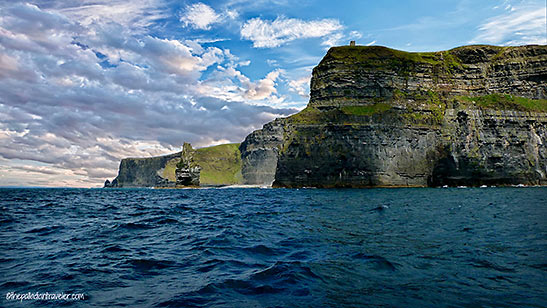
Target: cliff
x=220, y=165
x=472, y=115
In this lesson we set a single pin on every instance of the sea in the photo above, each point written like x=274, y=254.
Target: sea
x=258, y=247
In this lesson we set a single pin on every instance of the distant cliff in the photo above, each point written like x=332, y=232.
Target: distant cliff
x=472, y=115
x=220, y=165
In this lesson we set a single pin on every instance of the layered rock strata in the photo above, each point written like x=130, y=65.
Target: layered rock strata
x=474, y=115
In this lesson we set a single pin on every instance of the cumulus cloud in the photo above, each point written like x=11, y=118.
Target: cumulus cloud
x=263, y=88
x=76, y=97
x=230, y=84
x=269, y=34
x=200, y=16
x=300, y=86
x=518, y=26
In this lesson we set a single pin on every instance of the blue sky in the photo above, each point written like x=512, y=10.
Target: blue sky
x=86, y=83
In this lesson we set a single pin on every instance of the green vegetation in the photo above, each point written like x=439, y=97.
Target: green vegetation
x=505, y=102
x=378, y=56
x=366, y=110
x=220, y=165
x=169, y=169
x=311, y=115
x=433, y=103
x=425, y=108
x=308, y=115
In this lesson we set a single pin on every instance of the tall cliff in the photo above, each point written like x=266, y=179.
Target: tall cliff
x=472, y=115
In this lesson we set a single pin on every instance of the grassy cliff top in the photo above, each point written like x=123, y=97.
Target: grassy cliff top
x=383, y=57
x=380, y=56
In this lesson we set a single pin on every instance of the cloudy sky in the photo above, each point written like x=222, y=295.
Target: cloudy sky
x=85, y=83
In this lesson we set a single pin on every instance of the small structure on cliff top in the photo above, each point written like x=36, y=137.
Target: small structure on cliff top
x=187, y=172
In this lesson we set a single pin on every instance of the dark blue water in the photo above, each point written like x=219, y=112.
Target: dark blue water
x=276, y=247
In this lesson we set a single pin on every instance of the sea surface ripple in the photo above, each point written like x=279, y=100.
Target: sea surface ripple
x=235, y=247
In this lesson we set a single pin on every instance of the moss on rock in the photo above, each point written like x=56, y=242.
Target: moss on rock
x=505, y=102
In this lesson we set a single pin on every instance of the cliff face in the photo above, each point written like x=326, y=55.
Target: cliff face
x=380, y=117
x=357, y=75
x=259, y=153
x=220, y=165
x=142, y=172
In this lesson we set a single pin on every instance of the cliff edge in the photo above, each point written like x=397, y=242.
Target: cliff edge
x=473, y=115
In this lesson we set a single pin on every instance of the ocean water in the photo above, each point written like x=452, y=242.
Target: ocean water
x=474, y=247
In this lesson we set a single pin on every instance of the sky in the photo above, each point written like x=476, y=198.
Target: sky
x=86, y=83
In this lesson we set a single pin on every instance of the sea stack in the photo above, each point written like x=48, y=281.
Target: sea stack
x=187, y=172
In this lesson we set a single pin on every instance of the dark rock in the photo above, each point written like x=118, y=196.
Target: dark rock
x=142, y=172
x=259, y=153
x=187, y=177
x=187, y=172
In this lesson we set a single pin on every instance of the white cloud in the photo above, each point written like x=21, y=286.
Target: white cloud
x=333, y=40
x=264, y=88
x=136, y=14
x=232, y=14
x=519, y=26
x=300, y=86
x=201, y=16
x=371, y=43
x=272, y=62
x=77, y=98
x=230, y=84
x=269, y=34
x=355, y=35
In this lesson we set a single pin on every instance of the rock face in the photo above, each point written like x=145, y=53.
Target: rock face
x=187, y=172
x=358, y=75
x=142, y=172
x=474, y=115
x=259, y=153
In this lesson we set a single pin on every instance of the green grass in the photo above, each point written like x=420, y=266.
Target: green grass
x=308, y=115
x=220, y=165
x=169, y=169
x=378, y=56
x=366, y=110
x=506, y=102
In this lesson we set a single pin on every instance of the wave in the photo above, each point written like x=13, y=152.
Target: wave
x=45, y=230
x=378, y=262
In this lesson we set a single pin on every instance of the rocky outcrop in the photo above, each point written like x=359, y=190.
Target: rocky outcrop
x=187, y=172
x=107, y=184
x=474, y=115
